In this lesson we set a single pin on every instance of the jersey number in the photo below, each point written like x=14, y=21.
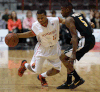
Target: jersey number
x=54, y=37
x=81, y=19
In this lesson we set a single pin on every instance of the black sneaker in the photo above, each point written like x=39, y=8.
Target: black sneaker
x=64, y=86
x=76, y=83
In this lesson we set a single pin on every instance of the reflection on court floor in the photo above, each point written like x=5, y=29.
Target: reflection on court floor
x=88, y=68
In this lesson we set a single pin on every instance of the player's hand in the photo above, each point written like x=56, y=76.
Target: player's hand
x=63, y=22
x=72, y=58
x=92, y=24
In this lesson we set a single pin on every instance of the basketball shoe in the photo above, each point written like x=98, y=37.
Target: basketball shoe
x=77, y=83
x=64, y=86
x=43, y=80
x=22, y=68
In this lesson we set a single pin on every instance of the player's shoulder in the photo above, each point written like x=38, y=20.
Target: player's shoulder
x=35, y=24
x=69, y=19
x=75, y=14
x=53, y=18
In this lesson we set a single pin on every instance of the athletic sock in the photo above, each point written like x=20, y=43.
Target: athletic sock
x=44, y=74
x=26, y=65
x=77, y=77
x=69, y=78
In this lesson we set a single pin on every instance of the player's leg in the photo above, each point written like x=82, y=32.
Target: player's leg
x=55, y=61
x=70, y=70
x=50, y=72
x=42, y=77
x=35, y=65
x=89, y=44
x=55, y=70
x=70, y=67
x=37, y=68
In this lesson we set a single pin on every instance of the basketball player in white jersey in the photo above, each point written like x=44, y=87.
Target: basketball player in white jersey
x=46, y=29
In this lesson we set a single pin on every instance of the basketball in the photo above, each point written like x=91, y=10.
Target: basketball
x=11, y=39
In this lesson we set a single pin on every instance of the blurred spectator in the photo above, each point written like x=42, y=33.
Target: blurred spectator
x=84, y=14
x=27, y=24
x=14, y=24
x=5, y=17
x=2, y=23
x=53, y=13
x=96, y=20
x=91, y=14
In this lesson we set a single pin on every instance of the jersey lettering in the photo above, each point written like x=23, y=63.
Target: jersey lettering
x=81, y=19
x=54, y=37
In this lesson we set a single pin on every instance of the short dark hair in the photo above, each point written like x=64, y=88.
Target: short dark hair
x=65, y=3
x=41, y=11
x=53, y=12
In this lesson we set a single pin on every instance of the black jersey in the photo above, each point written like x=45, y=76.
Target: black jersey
x=82, y=24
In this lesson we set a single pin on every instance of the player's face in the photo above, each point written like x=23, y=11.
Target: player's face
x=53, y=15
x=41, y=18
x=64, y=11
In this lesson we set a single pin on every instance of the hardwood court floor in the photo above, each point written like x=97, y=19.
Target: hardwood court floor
x=88, y=68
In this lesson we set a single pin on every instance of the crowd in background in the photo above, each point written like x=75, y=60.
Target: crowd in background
x=13, y=24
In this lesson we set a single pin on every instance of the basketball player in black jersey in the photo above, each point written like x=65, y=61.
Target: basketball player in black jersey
x=75, y=21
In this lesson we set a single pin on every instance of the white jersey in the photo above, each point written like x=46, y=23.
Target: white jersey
x=47, y=36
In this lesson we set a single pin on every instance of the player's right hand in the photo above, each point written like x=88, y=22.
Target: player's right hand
x=92, y=24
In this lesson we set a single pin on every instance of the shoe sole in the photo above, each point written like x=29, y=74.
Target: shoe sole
x=79, y=84
x=63, y=87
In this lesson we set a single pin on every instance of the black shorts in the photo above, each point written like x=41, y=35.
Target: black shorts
x=89, y=43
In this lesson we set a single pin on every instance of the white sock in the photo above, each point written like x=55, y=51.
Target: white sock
x=44, y=74
x=26, y=65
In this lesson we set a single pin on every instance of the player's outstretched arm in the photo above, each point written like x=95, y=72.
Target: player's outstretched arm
x=26, y=34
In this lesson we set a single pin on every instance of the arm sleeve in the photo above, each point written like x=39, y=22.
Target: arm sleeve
x=35, y=29
x=19, y=24
x=9, y=25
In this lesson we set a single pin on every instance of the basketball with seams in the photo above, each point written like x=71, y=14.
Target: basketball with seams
x=11, y=39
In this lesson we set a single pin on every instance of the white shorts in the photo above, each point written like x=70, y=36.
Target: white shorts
x=81, y=43
x=46, y=53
